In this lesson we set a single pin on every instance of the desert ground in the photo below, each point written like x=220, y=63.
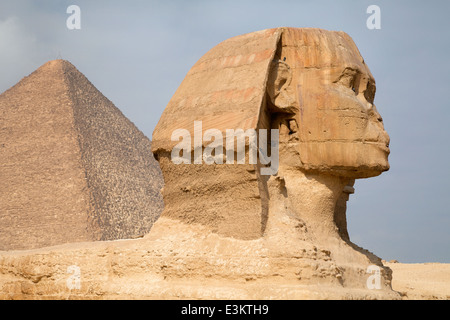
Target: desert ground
x=421, y=281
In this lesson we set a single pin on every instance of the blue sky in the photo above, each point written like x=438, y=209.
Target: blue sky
x=138, y=52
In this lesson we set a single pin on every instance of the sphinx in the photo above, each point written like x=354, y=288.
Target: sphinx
x=228, y=231
x=311, y=85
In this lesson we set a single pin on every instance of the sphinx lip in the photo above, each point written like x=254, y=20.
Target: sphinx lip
x=382, y=146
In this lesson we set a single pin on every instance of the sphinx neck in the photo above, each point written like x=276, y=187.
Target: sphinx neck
x=314, y=198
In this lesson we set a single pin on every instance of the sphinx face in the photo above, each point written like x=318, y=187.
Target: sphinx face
x=335, y=126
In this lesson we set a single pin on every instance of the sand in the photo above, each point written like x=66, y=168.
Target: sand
x=421, y=281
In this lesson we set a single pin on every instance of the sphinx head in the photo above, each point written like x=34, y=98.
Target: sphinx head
x=310, y=84
x=320, y=95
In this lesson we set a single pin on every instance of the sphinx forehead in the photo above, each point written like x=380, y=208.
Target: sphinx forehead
x=320, y=48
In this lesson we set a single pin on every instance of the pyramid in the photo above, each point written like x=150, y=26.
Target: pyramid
x=72, y=166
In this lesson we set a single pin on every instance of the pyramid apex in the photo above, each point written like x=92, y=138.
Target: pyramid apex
x=50, y=69
x=56, y=63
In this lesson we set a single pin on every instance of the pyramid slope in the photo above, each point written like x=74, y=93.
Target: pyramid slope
x=73, y=168
x=121, y=172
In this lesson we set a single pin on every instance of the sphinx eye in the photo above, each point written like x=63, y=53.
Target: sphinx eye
x=355, y=83
x=352, y=83
x=349, y=79
x=369, y=93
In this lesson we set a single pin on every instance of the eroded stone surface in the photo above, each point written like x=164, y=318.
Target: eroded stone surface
x=227, y=232
x=314, y=87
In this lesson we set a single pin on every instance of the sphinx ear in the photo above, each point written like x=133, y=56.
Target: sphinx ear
x=278, y=87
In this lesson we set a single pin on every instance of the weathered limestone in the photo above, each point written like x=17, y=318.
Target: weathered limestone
x=299, y=81
x=72, y=167
x=180, y=261
x=312, y=85
x=228, y=232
